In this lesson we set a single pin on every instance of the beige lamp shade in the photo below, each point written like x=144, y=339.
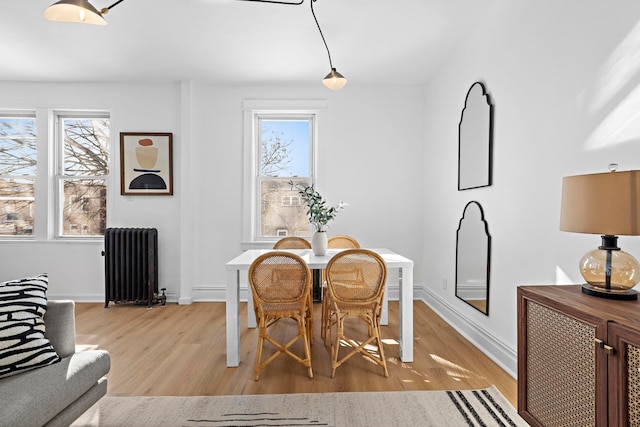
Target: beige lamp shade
x=602, y=203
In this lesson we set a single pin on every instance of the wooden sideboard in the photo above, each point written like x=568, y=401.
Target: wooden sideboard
x=578, y=358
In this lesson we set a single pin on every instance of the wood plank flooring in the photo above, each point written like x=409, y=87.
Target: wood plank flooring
x=180, y=350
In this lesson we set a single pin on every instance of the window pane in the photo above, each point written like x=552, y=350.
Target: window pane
x=17, y=146
x=86, y=142
x=16, y=206
x=85, y=207
x=285, y=147
x=281, y=211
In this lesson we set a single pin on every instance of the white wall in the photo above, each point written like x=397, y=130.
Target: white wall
x=76, y=270
x=370, y=156
x=563, y=77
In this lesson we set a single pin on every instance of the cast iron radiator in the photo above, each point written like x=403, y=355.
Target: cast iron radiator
x=131, y=265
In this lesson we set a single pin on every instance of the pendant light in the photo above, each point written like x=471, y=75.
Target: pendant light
x=334, y=80
x=80, y=11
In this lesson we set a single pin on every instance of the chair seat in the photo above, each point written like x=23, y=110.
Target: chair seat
x=283, y=308
x=351, y=307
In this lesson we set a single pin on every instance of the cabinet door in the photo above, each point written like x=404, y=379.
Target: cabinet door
x=561, y=373
x=624, y=379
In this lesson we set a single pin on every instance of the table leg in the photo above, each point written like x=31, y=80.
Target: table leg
x=251, y=314
x=406, y=314
x=384, y=316
x=233, y=318
x=317, y=285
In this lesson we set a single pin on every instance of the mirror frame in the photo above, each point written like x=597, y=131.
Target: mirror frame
x=466, y=146
x=488, y=260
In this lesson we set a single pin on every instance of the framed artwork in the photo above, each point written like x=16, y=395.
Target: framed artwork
x=146, y=163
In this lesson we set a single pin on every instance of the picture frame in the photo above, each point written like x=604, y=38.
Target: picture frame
x=146, y=164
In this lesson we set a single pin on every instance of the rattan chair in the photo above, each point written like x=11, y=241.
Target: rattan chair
x=342, y=242
x=355, y=289
x=292, y=242
x=280, y=284
x=334, y=242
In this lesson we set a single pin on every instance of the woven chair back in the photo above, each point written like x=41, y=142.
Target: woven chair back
x=279, y=277
x=343, y=242
x=292, y=242
x=357, y=276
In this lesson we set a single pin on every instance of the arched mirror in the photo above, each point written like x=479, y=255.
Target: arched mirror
x=475, y=139
x=473, y=255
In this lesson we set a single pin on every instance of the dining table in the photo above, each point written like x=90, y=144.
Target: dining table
x=237, y=270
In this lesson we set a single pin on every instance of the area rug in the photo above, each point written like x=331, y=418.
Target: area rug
x=486, y=407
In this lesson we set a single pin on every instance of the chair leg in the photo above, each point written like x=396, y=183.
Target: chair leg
x=283, y=348
x=326, y=316
x=373, y=325
x=307, y=349
x=261, y=333
x=335, y=345
x=380, y=348
x=309, y=319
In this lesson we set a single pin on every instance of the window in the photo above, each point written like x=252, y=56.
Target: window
x=280, y=147
x=17, y=174
x=81, y=174
x=284, y=144
x=291, y=201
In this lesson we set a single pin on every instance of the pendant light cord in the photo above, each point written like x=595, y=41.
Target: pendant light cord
x=321, y=35
x=276, y=2
x=297, y=4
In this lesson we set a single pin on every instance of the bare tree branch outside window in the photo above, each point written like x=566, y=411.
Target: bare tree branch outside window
x=17, y=174
x=86, y=166
x=276, y=153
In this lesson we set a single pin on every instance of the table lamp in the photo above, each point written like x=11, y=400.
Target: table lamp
x=607, y=204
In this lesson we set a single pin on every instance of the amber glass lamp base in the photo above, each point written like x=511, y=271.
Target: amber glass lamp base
x=610, y=272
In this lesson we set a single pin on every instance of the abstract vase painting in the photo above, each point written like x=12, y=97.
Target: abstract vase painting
x=146, y=163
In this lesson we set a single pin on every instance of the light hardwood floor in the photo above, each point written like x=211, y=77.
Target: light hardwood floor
x=180, y=351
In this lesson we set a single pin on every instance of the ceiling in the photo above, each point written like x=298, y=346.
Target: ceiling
x=232, y=41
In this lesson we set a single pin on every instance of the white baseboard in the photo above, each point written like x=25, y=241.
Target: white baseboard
x=504, y=355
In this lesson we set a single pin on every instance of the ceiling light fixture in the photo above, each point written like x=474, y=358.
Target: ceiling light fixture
x=334, y=80
x=77, y=11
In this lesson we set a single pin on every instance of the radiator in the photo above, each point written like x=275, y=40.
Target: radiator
x=131, y=265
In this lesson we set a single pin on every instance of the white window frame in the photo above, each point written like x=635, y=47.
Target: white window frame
x=39, y=172
x=285, y=108
x=56, y=223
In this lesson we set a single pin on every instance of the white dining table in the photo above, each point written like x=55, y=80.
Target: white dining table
x=239, y=266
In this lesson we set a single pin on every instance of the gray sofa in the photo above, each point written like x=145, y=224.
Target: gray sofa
x=57, y=394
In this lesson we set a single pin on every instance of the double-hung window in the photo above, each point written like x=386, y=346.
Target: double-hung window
x=82, y=169
x=18, y=160
x=280, y=156
x=53, y=186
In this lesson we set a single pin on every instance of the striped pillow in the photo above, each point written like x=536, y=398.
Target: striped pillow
x=23, y=346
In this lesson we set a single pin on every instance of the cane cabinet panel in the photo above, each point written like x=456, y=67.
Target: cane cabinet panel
x=578, y=358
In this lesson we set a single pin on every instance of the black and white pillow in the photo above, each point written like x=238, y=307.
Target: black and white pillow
x=23, y=346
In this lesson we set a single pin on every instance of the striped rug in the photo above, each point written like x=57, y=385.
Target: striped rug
x=486, y=407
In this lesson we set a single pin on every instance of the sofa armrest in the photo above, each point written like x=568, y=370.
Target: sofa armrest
x=61, y=327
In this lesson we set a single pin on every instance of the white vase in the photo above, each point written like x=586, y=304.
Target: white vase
x=319, y=243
